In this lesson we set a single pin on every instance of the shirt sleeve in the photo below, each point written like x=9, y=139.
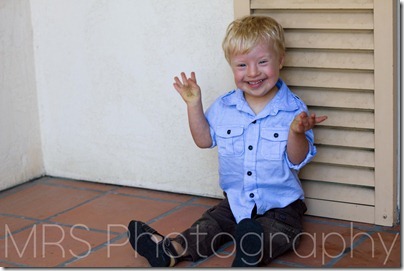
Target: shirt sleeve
x=310, y=154
x=212, y=135
x=210, y=115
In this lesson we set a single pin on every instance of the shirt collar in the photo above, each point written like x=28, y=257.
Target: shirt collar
x=284, y=100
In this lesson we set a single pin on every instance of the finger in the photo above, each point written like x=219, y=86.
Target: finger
x=178, y=85
x=311, y=122
x=304, y=126
x=193, y=77
x=303, y=115
x=184, y=78
x=321, y=119
x=178, y=88
x=308, y=124
x=298, y=119
x=177, y=81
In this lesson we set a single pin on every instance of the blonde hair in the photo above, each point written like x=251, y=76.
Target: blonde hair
x=245, y=33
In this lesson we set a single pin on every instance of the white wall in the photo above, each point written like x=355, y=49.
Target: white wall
x=104, y=71
x=20, y=142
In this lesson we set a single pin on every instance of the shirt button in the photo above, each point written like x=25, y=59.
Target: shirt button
x=251, y=195
x=249, y=173
x=250, y=147
x=254, y=122
x=276, y=135
x=228, y=132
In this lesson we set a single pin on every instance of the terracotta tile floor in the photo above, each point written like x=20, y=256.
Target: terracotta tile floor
x=53, y=222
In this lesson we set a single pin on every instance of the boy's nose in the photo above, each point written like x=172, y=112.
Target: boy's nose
x=252, y=71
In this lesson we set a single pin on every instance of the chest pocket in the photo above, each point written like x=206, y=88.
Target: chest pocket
x=273, y=143
x=230, y=140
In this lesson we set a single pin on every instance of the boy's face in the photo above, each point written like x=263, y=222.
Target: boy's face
x=257, y=72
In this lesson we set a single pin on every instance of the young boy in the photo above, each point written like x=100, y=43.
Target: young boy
x=264, y=136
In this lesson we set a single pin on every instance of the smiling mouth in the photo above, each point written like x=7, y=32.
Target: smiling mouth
x=254, y=83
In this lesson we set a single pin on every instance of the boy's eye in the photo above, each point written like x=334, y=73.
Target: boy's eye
x=263, y=62
x=241, y=65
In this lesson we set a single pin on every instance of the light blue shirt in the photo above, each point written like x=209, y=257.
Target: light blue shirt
x=254, y=168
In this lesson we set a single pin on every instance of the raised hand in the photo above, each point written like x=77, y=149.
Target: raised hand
x=303, y=122
x=298, y=146
x=188, y=88
x=191, y=94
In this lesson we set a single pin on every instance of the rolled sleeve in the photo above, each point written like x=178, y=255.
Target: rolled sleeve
x=212, y=135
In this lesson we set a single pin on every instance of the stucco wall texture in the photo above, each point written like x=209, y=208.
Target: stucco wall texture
x=89, y=93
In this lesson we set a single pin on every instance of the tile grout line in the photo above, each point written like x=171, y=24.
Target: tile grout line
x=118, y=236
x=123, y=235
x=171, y=211
x=81, y=227
x=48, y=183
x=338, y=224
x=13, y=263
x=19, y=230
x=221, y=249
x=92, y=250
x=386, y=230
x=104, y=193
x=37, y=221
x=116, y=187
x=147, y=198
x=350, y=249
x=48, y=219
x=228, y=244
x=15, y=189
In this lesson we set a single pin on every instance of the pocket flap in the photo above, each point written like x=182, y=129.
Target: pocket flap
x=229, y=131
x=275, y=134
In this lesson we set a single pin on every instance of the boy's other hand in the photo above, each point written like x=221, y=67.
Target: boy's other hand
x=188, y=88
x=302, y=123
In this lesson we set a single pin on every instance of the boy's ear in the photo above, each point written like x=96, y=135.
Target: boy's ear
x=281, y=60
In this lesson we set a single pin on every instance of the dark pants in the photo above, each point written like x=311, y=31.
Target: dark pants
x=217, y=227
